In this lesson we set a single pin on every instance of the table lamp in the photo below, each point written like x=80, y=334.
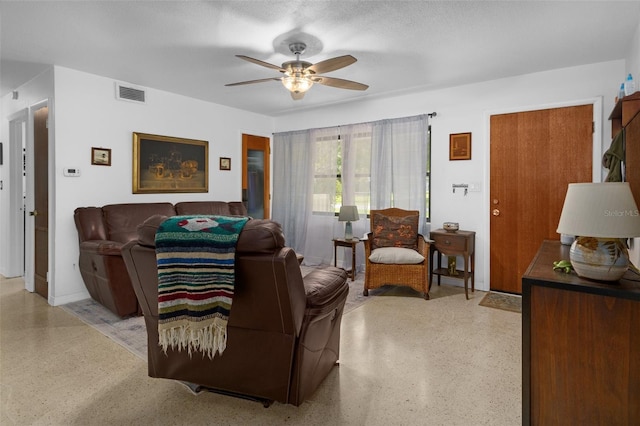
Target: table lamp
x=601, y=216
x=348, y=214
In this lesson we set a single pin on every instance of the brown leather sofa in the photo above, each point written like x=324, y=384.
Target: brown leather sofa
x=102, y=231
x=283, y=330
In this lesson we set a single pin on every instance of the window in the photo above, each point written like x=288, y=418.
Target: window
x=371, y=165
x=327, y=154
x=427, y=211
x=342, y=173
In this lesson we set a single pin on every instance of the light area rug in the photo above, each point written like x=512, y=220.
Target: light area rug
x=131, y=332
x=506, y=302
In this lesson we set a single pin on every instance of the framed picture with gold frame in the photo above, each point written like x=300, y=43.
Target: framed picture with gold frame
x=460, y=146
x=101, y=156
x=164, y=164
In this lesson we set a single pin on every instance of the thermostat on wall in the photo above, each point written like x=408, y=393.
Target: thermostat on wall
x=71, y=172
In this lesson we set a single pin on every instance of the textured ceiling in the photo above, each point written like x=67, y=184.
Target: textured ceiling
x=188, y=47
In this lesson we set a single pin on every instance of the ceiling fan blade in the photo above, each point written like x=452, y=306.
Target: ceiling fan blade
x=262, y=80
x=297, y=96
x=339, y=83
x=262, y=63
x=332, y=64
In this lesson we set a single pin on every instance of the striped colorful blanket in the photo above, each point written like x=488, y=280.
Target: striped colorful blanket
x=196, y=276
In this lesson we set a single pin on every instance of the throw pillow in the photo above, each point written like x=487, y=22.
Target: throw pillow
x=396, y=255
x=395, y=231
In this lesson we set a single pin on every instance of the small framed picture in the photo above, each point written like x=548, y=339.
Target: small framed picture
x=225, y=163
x=460, y=146
x=101, y=156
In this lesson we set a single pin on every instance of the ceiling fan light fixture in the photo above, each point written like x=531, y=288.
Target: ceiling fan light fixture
x=299, y=75
x=297, y=84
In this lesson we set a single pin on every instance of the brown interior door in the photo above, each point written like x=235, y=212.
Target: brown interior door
x=255, y=175
x=534, y=156
x=41, y=201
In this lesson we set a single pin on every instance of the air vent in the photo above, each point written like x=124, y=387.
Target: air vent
x=127, y=92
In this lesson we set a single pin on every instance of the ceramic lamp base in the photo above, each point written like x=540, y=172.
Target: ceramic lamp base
x=603, y=259
x=348, y=231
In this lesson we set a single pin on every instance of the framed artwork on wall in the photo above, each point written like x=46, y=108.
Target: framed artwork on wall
x=225, y=163
x=101, y=156
x=460, y=146
x=164, y=164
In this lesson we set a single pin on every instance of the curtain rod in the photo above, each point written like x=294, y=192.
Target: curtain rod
x=430, y=115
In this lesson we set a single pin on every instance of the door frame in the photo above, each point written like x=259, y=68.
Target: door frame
x=16, y=265
x=268, y=167
x=596, y=166
x=29, y=243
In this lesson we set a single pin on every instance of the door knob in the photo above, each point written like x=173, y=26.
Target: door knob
x=496, y=212
x=33, y=213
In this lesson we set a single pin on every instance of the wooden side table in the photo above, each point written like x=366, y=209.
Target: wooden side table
x=341, y=242
x=459, y=243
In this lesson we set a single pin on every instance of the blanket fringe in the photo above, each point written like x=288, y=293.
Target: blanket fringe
x=208, y=338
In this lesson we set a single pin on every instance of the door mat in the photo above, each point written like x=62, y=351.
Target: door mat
x=506, y=302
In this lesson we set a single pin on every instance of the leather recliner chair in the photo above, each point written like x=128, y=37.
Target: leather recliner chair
x=283, y=330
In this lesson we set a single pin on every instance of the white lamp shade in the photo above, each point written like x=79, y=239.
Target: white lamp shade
x=602, y=210
x=348, y=214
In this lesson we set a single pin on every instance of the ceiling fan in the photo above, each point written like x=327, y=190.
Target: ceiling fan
x=299, y=75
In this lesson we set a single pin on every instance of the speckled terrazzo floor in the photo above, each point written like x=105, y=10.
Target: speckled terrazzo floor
x=403, y=361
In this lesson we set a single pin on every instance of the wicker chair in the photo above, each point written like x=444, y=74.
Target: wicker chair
x=385, y=224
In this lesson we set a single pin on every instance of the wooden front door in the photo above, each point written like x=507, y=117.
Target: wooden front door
x=41, y=201
x=255, y=175
x=534, y=156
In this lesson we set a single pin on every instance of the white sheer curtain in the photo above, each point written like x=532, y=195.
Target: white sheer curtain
x=356, y=172
x=399, y=164
x=292, y=203
x=322, y=226
x=381, y=164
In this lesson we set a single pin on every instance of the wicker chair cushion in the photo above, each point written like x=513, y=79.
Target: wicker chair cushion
x=396, y=255
x=395, y=231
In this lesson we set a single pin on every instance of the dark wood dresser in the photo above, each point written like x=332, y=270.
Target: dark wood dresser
x=580, y=346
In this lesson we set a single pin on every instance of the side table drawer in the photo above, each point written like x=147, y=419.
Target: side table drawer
x=450, y=242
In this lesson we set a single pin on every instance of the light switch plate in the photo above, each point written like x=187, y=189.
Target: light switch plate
x=474, y=187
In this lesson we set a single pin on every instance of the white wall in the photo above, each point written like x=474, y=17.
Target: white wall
x=467, y=109
x=87, y=114
x=633, y=58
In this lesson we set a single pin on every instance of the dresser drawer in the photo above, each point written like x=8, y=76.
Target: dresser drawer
x=449, y=242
